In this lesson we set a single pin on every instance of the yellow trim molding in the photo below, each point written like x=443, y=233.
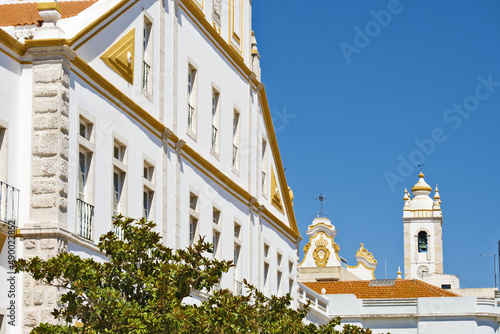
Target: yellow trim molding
x=275, y=193
x=98, y=21
x=12, y=43
x=277, y=159
x=3, y=237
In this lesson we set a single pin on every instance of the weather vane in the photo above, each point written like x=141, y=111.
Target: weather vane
x=420, y=165
x=321, y=199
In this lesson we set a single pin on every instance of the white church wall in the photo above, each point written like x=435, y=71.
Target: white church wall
x=393, y=326
x=344, y=304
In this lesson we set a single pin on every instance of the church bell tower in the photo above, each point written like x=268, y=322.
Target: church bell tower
x=423, y=241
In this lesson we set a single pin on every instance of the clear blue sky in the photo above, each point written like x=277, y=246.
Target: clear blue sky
x=347, y=109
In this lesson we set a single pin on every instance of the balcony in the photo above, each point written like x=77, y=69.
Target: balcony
x=85, y=219
x=318, y=302
x=9, y=204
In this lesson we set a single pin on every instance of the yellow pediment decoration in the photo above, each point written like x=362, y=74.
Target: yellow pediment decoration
x=275, y=193
x=120, y=56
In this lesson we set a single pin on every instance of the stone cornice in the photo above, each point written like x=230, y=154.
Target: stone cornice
x=56, y=232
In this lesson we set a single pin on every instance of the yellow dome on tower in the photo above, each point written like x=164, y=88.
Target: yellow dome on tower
x=421, y=185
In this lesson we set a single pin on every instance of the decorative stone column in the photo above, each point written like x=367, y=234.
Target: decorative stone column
x=49, y=175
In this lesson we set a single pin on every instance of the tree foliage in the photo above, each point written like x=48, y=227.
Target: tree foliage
x=142, y=286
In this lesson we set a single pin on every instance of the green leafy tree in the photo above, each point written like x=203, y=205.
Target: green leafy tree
x=142, y=287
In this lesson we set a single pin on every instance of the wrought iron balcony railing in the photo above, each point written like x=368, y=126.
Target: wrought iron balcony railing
x=9, y=203
x=85, y=219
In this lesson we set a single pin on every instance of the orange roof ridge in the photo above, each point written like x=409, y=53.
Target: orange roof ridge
x=15, y=14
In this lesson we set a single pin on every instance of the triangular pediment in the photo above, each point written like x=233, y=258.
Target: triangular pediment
x=121, y=56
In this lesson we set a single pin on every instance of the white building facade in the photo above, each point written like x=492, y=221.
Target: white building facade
x=150, y=109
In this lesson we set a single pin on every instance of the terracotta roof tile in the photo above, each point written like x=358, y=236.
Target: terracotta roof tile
x=408, y=288
x=27, y=13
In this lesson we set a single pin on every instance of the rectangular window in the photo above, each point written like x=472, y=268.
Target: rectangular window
x=193, y=230
x=266, y=278
x=148, y=171
x=191, y=112
x=84, y=192
x=266, y=250
x=85, y=225
x=290, y=267
x=85, y=186
x=147, y=56
x=119, y=176
x=215, y=241
x=214, y=142
x=148, y=191
x=236, y=262
x=118, y=181
x=236, y=140
x=119, y=151
x=193, y=218
x=279, y=258
x=147, y=200
x=236, y=259
x=237, y=230
x=215, y=216
x=193, y=201
x=290, y=287
x=279, y=277
x=85, y=129
x=82, y=175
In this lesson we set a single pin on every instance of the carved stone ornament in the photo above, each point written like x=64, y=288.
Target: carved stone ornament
x=306, y=248
x=321, y=254
x=363, y=252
